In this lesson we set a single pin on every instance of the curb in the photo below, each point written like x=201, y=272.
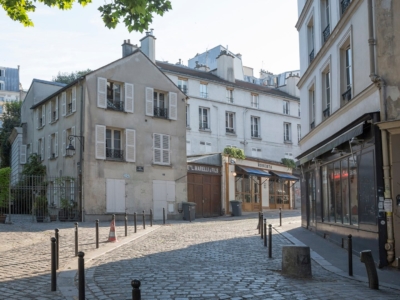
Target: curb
x=328, y=266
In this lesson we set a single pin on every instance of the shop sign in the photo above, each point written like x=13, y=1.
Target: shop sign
x=203, y=169
x=387, y=204
x=265, y=166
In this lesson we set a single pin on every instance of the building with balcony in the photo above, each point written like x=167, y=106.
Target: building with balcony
x=349, y=95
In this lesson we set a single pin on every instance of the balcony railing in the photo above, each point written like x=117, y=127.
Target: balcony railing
x=203, y=126
x=41, y=122
x=255, y=134
x=230, y=99
x=115, y=154
x=230, y=130
x=183, y=88
x=326, y=33
x=312, y=125
x=161, y=112
x=327, y=112
x=203, y=95
x=347, y=95
x=69, y=108
x=54, y=116
x=344, y=4
x=311, y=56
x=115, y=105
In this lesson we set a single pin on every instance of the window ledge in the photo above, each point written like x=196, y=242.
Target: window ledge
x=52, y=122
x=205, y=130
x=231, y=133
x=40, y=127
x=70, y=114
x=161, y=165
x=53, y=158
x=116, y=160
x=256, y=138
x=188, y=128
x=288, y=142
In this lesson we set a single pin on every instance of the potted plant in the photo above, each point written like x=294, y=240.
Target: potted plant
x=4, y=195
x=63, y=214
x=53, y=211
x=41, y=208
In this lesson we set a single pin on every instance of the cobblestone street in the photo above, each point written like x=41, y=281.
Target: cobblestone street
x=222, y=258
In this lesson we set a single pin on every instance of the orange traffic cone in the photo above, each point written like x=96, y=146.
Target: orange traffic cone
x=112, y=236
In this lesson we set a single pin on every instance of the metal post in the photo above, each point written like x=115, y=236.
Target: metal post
x=76, y=239
x=134, y=220
x=269, y=240
x=97, y=234
x=151, y=218
x=190, y=215
x=265, y=232
x=53, y=265
x=280, y=216
x=163, y=215
x=259, y=222
x=261, y=225
x=126, y=224
x=57, y=248
x=368, y=260
x=81, y=275
x=350, y=252
x=135, y=290
x=144, y=222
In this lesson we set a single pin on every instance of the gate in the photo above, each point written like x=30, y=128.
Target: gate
x=40, y=198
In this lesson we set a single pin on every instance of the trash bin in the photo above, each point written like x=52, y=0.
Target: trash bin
x=189, y=209
x=236, y=208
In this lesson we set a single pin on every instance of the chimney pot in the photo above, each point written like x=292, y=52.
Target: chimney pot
x=129, y=41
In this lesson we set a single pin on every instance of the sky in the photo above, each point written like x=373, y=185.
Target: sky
x=263, y=31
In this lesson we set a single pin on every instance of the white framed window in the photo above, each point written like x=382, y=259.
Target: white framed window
x=230, y=122
x=52, y=147
x=160, y=105
x=326, y=93
x=298, y=109
x=254, y=100
x=183, y=85
x=325, y=20
x=161, y=149
x=204, y=118
x=2, y=85
x=229, y=95
x=203, y=90
x=349, y=72
x=114, y=144
x=2, y=72
x=255, y=127
x=286, y=107
x=256, y=152
x=118, y=96
x=287, y=128
x=52, y=110
x=187, y=116
x=310, y=36
x=41, y=116
x=311, y=101
x=298, y=132
x=71, y=101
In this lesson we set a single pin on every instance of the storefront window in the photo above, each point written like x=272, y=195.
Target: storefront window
x=331, y=192
x=367, y=188
x=345, y=191
x=325, y=199
x=279, y=193
x=353, y=190
x=338, y=198
x=247, y=190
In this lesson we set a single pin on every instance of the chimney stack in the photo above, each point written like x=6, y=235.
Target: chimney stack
x=148, y=45
x=225, y=66
x=128, y=48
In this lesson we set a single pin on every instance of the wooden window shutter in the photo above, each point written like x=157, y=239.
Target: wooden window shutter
x=130, y=150
x=173, y=106
x=100, y=142
x=101, y=92
x=157, y=148
x=73, y=101
x=165, y=149
x=64, y=146
x=63, y=104
x=57, y=108
x=49, y=147
x=149, y=101
x=42, y=149
x=49, y=113
x=22, y=154
x=43, y=115
x=56, y=144
x=129, y=97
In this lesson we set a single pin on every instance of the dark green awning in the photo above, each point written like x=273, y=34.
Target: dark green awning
x=254, y=171
x=285, y=176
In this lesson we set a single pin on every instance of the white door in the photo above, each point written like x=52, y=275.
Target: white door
x=163, y=192
x=115, y=190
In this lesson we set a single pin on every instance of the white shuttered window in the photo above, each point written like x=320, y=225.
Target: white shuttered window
x=130, y=136
x=64, y=103
x=101, y=92
x=161, y=149
x=149, y=101
x=22, y=154
x=129, y=97
x=73, y=99
x=100, y=142
x=173, y=103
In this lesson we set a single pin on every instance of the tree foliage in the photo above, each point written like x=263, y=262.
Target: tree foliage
x=4, y=190
x=11, y=118
x=67, y=78
x=289, y=163
x=234, y=152
x=137, y=15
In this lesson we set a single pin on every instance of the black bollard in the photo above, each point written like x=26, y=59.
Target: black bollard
x=144, y=222
x=57, y=248
x=163, y=215
x=269, y=240
x=367, y=259
x=53, y=265
x=151, y=218
x=280, y=216
x=261, y=225
x=134, y=221
x=81, y=275
x=350, y=252
x=97, y=234
x=190, y=215
x=265, y=232
x=126, y=224
x=135, y=290
x=76, y=239
x=259, y=222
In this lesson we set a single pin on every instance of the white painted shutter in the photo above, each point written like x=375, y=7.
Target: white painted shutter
x=22, y=154
x=73, y=140
x=173, y=106
x=43, y=115
x=42, y=149
x=57, y=108
x=49, y=119
x=110, y=195
x=115, y=195
x=101, y=92
x=100, y=142
x=49, y=147
x=56, y=144
x=73, y=101
x=63, y=104
x=129, y=97
x=64, y=139
x=37, y=118
x=157, y=148
x=149, y=101
x=165, y=150
x=130, y=150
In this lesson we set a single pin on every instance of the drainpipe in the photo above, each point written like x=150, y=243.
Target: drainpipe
x=81, y=154
x=244, y=130
x=217, y=129
x=381, y=85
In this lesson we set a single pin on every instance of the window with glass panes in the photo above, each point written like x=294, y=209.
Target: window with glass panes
x=113, y=144
x=204, y=118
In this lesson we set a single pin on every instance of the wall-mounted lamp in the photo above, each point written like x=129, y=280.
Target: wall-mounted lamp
x=234, y=173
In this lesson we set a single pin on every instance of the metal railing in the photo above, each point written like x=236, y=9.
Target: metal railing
x=203, y=126
x=115, y=105
x=183, y=88
x=347, y=95
x=161, y=112
x=230, y=130
x=255, y=134
x=203, y=95
x=230, y=99
x=326, y=33
x=69, y=108
x=114, y=154
x=311, y=56
x=312, y=125
x=327, y=112
x=54, y=116
x=344, y=5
